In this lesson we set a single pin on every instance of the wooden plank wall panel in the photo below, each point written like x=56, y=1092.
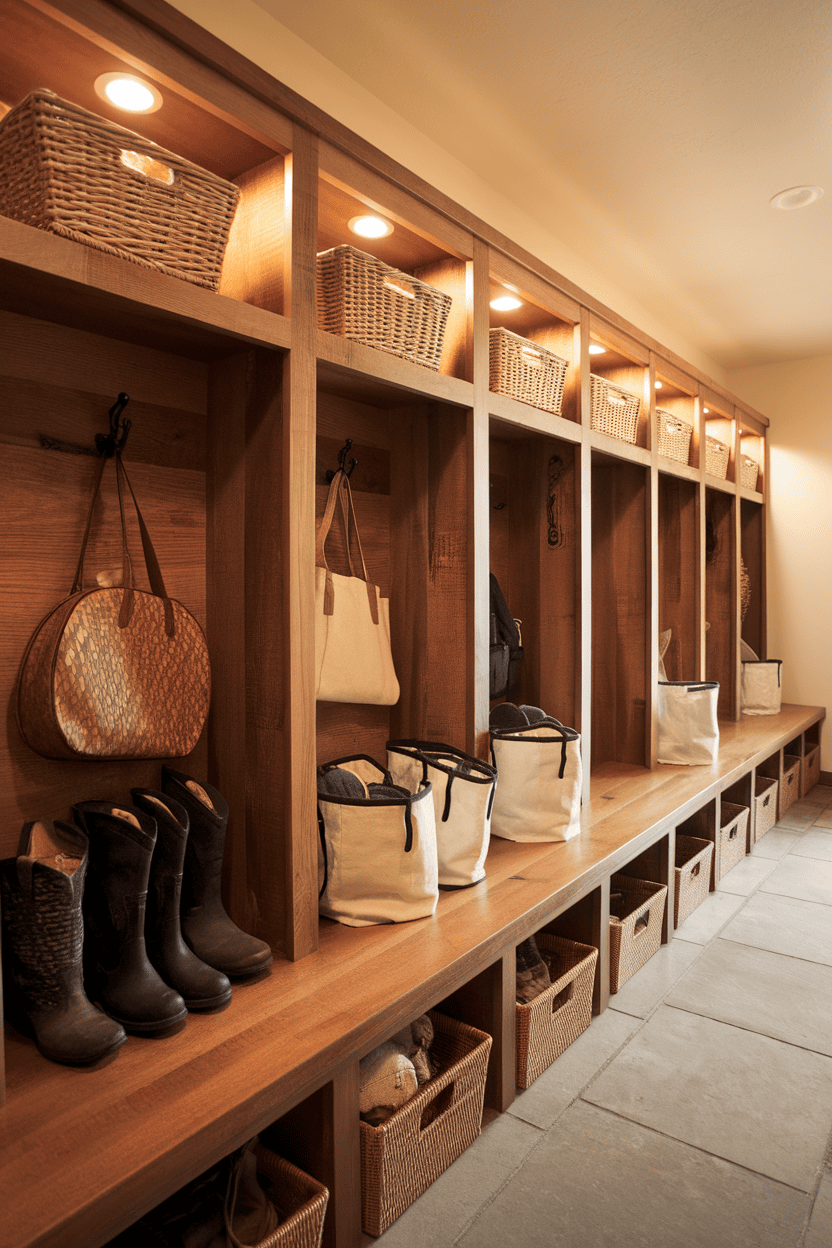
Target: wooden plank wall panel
x=752, y=553
x=720, y=579
x=253, y=266
x=410, y=561
x=677, y=531
x=449, y=276
x=558, y=539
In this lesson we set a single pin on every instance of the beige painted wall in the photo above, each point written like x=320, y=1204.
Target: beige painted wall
x=797, y=397
x=245, y=27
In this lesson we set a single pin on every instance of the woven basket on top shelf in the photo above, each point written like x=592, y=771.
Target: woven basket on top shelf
x=748, y=472
x=525, y=371
x=548, y=1024
x=673, y=436
x=716, y=457
x=365, y=300
x=613, y=410
x=73, y=173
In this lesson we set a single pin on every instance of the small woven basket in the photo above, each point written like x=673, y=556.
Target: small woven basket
x=402, y=1157
x=365, y=300
x=299, y=1200
x=636, y=934
x=73, y=173
x=613, y=410
x=810, y=771
x=765, y=806
x=716, y=458
x=548, y=1024
x=525, y=371
x=673, y=436
x=732, y=836
x=693, y=875
x=790, y=787
x=748, y=472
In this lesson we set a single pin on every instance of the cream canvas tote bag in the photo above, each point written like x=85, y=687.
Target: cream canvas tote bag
x=687, y=730
x=539, y=778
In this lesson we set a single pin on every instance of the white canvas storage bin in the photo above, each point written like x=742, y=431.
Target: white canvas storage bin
x=687, y=731
x=378, y=854
x=463, y=795
x=760, y=688
x=539, y=778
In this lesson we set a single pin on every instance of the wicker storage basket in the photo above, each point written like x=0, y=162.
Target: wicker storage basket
x=613, y=410
x=71, y=172
x=790, y=784
x=635, y=935
x=673, y=436
x=365, y=300
x=693, y=875
x=525, y=371
x=549, y=1024
x=716, y=458
x=810, y=771
x=299, y=1200
x=402, y=1157
x=765, y=806
x=733, y=832
x=748, y=472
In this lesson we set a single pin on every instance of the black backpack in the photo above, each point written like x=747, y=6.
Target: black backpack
x=506, y=650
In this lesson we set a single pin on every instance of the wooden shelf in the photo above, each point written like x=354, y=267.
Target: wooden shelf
x=527, y=419
x=672, y=468
x=370, y=376
x=751, y=496
x=616, y=449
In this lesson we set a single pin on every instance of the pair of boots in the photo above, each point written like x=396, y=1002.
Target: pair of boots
x=135, y=961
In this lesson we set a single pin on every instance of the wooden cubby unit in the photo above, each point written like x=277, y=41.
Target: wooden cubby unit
x=239, y=406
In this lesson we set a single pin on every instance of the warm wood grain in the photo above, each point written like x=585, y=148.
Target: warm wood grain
x=253, y=266
x=720, y=590
x=450, y=276
x=371, y=376
x=752, y=550
x=678, y=533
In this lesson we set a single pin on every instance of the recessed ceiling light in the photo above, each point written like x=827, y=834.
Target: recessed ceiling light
x=796, y=197
x=595, y=348
x=506, y=303
x=126, y=91
x=706, y=410
x=658, y=385
x=370, y=227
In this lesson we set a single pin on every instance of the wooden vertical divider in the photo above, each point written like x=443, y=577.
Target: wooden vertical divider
x=487, y=1002
x=584, y=673
x=478, y=504
x=652, y=578
x=253, y=267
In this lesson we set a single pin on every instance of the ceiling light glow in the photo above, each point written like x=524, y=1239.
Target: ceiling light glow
x=506, y=303
x=370, y=227
x=658, y=385
x=706, y=410
x=595, y=348
x=128, y=92
x=796, y=197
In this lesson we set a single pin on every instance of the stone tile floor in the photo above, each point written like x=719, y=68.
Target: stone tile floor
x=696, y=1112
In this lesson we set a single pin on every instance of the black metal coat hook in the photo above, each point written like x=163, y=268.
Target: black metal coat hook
x=342, y=462
x=116, y=440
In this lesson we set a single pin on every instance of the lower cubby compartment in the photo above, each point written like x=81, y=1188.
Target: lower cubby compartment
x=547, y=1025
x=764, y=807
x=733, y=830
x=693, y=875
x=810, y=769
x=636, y=916
x=789, y=782
x=401, y=1157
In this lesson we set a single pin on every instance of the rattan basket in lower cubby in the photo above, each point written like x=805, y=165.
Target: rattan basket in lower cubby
x=73, y=173
x=733, y=832
x=790, y=783
x=673, y=436
x=365, y=300
x=548, y=1024
x=748, y=472
x=810, y=769
x=300, y=1202
x=635, y=928
x=716, y=457
x=765, y=805
x=402, y=1157
x=526, y=371
x=613, y=410
x=693, y=875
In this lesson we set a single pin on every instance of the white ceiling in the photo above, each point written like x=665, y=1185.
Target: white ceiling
x=648, y=136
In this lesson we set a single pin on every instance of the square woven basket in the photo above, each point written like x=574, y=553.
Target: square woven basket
x=402, y=1157
x=636, y=931
x=733, y=832
x=765, y=806
x=790, y=784
x=526, y=371
x=300, y=1202
x=716, y=458
x=83, y=177
x=548, y=1024
x=365, y=300
x=748, y=472
x=810, y=771
x=613, y=410
x=693, y=875
x=673, y=436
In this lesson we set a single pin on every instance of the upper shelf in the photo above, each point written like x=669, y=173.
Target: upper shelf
x=56, y=279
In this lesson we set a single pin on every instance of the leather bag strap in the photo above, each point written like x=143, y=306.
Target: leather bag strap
x=126, y=565
x=340, y=493
x=151, y=563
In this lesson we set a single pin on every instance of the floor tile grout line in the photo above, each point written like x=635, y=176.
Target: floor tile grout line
x=803, y=1048
x=824, y=1168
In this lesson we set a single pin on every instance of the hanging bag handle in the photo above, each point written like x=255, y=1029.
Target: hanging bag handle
x=340, y=493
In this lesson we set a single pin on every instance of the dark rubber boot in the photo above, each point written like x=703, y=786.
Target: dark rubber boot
x=43, y=936
x=117, y=972
x=206, y=927
x=200, y=986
